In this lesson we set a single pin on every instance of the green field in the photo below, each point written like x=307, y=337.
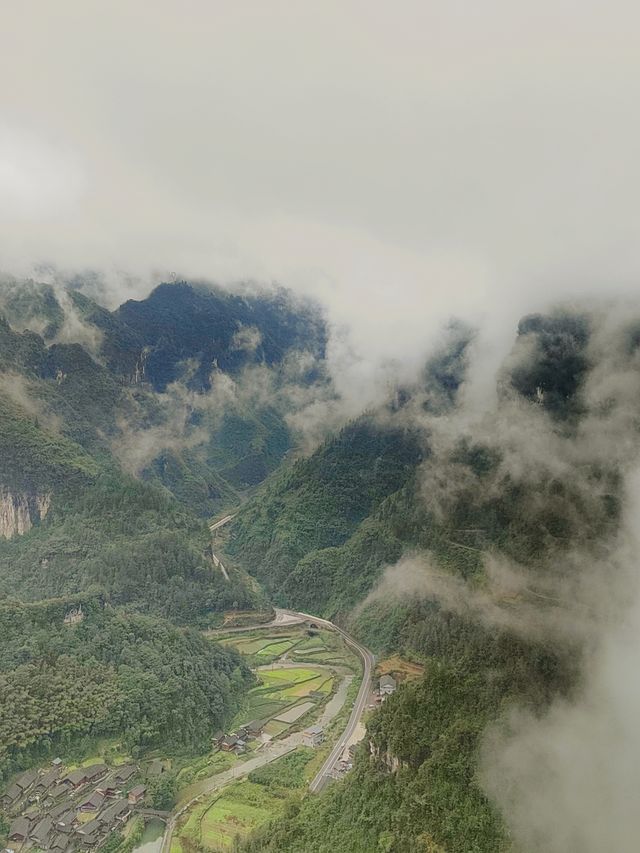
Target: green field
x=281, y=689
x=239, y=808
x=263, y=649
x=232, y=814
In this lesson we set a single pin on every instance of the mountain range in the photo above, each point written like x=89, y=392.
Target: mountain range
x=454, y=541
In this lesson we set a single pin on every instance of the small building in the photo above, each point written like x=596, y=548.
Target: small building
x=254, y=728
x=92, y=803
x=19, y=829
x=119, y=810
x=229, y=743
x=387, y=685
x=313, y=736
x=90, y=832
x=26, y=780
x=95, y=771
x=72, y=781
x=11, y=796
x=57, y=762
x=41, y=832
x=136, y=795
x=64, y=822
x=46, y=781
x=124, y=773
x=60, y=843
x=60, y=809
x=109, y=787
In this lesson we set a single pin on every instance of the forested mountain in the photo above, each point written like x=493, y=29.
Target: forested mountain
x=190, y=388
x=464, y=539
x=482, y=527
x=106, y=473
x=109, y=674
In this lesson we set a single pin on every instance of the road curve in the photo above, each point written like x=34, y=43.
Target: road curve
x=368, y=663
x=290, y=617
x=216, y=560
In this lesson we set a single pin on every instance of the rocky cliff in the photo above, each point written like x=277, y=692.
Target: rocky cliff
x=20, y=511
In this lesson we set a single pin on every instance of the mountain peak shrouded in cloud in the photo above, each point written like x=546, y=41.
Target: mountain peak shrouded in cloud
x=451, y=159
x=364, y=277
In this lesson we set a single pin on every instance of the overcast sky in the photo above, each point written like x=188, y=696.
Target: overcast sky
x=403, y=161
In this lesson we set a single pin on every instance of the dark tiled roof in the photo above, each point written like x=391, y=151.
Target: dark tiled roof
x=76, y=777
x=65, y=820
x=90, y=828
x=62, y=808
x=94, y=802
x=47, y=779
x=20, y=826
x=60, y=842
x=114, y=811
x=95, y=770
x=42, y=829
x=137, y=791
x=25, y=780
x=124, y=773
x=12, y=794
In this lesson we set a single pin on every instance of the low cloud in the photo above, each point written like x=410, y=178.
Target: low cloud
x=566, y=780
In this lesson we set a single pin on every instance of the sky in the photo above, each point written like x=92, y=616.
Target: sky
x=401, y=162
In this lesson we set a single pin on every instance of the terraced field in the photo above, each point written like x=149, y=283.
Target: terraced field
x=231, y=814
x=284, y=690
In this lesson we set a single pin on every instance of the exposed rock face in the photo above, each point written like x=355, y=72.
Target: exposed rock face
x=389, y=761
x=20, y=511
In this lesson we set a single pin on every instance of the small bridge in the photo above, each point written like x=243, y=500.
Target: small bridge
x=154, y=813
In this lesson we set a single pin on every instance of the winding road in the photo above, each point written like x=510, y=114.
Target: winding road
x=279, y=748
x=216, y=560
x=368, y=663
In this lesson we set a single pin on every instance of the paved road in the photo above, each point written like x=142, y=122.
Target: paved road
x=222, y=521
x=282, y=619
x=368, y=662
x=216, y=560
x=276, y=749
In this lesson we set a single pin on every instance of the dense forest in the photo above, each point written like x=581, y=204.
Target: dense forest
x=110, y=674
x=189, y=388
x=449, y=545
x=416, y=785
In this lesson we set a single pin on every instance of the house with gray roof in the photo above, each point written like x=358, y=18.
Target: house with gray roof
x=313, y=736
x=117, y=811
x=11, y=796
x=387, y=685
x=26, y=779
x=92, y=803
x=41, y=832
x=19, y=829
x=90, y=832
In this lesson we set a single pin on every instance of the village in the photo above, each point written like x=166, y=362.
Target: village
x=304, y=676
x=64, y=810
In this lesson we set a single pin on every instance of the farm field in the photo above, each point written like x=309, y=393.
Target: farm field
x=241, y=807
x=281, y=692
x=401, y=669
x=232, y=814
x=296, y=642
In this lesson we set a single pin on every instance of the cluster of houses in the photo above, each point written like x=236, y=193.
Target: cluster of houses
x=237, y=741
x=61, y=812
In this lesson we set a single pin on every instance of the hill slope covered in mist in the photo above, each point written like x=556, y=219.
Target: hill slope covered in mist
x=484, y=560
x=484, y=542
x=104, y=478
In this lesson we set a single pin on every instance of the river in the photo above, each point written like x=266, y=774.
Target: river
x=151, y=841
